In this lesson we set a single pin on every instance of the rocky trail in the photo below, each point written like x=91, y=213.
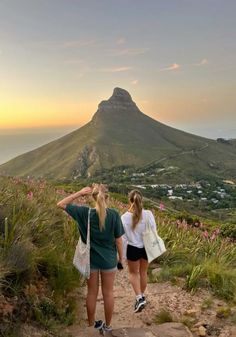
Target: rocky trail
x=193, y=315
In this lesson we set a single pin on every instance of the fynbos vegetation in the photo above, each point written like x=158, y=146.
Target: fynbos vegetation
x=36, y=248
x=37, y=242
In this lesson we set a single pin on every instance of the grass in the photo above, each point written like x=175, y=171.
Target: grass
x=202, y=261
x=207, y=303
x=36, y=248
x=223, y=312
x=163, y=316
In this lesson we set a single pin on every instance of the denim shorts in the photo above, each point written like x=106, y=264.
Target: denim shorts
x=94, y=270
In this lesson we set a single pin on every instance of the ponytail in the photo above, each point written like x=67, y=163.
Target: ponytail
x=100, y=196
x=135, y=198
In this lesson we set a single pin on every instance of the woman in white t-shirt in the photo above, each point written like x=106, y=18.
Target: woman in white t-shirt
x=134, y=225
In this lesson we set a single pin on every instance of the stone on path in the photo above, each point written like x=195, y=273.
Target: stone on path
x=162, y=330
x=130, y=332
x=171, y=330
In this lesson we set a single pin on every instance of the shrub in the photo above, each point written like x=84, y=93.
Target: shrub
x=229, y=230
x=163, y=316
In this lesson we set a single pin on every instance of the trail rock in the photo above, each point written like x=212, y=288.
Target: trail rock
x=131, y=332
x=233, y=332
x=191, y=312
x=171, y=330
x=201, y=331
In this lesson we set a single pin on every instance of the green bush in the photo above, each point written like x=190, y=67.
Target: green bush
x=229, y=230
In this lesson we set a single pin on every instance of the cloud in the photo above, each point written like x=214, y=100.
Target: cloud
x=121, y=40
x=70, y=44
x=116, y=69
x=77, y=44
x=203, y=62
x=132, y=51
x=135, y=82
x=173, y=66
x=74, y=61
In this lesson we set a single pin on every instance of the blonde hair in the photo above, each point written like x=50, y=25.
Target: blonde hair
x=100, y=195
x=136, y=201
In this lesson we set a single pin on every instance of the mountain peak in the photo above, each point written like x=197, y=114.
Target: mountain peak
x=120, y=101
x=120, y=94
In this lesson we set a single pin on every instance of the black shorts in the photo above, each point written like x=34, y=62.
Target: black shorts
x=135, y=254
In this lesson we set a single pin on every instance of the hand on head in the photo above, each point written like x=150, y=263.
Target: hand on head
x=86, y=190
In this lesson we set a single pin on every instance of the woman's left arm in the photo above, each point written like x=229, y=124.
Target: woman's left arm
x=62, y=204
x=119, y=245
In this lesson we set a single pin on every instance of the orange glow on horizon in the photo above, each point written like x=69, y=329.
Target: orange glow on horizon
x=60, y=112
x=30, y=113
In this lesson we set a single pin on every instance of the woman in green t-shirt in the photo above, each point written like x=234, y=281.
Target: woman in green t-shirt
x=106, y=230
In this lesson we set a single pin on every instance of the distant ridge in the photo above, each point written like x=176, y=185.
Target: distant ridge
x=119, y=134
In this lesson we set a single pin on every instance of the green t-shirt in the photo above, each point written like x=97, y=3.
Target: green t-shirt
x=103, y=251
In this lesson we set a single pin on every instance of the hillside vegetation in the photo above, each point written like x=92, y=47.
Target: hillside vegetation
x=37, y=242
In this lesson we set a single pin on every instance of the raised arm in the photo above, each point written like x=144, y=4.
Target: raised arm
x=68, y=200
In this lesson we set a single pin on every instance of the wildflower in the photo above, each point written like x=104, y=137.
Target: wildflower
x=217, y=231
x=42, y=185
x=30, y=195
x=213, y=236
x=184, y=224
x=178, y=223
x=205, y=234
x=161, y=207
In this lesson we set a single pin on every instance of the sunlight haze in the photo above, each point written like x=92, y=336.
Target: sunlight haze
x=59, y=59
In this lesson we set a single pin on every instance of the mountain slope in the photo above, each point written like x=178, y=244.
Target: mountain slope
x=120, y=134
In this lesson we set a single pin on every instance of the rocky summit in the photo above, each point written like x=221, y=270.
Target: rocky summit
x=120, y=101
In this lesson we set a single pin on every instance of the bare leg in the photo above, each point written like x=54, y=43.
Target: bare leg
x=108, y=295
x=143, y=275
x=93, y=286
x=134, y=276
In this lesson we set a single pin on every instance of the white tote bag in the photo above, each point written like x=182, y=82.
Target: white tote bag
x=81, y=258
x=153, y=243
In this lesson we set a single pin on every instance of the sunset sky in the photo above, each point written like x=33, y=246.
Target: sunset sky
x=60, y=58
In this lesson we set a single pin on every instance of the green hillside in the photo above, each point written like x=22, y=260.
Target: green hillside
x=120, y=134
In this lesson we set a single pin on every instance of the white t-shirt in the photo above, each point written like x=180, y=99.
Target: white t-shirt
x=135, y=237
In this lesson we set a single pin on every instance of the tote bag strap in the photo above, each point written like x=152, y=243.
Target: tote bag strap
x=88, y=228
x=147, y=222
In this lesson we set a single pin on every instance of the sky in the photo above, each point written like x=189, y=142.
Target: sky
x=60, y=58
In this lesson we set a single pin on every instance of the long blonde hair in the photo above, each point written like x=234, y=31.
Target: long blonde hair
x=100, y=195
x=136, y=201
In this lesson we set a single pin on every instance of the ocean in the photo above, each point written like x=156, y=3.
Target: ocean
x=16, y=142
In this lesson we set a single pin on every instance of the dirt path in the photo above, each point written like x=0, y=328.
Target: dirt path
x=183, y=307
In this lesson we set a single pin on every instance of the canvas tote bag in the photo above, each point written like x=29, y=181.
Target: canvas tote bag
x=81, y=258
x=153, y=243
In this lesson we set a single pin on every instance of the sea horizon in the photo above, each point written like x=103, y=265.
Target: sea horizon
x=17, y=141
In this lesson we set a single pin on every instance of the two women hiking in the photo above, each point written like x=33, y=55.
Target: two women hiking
x=107, y=232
